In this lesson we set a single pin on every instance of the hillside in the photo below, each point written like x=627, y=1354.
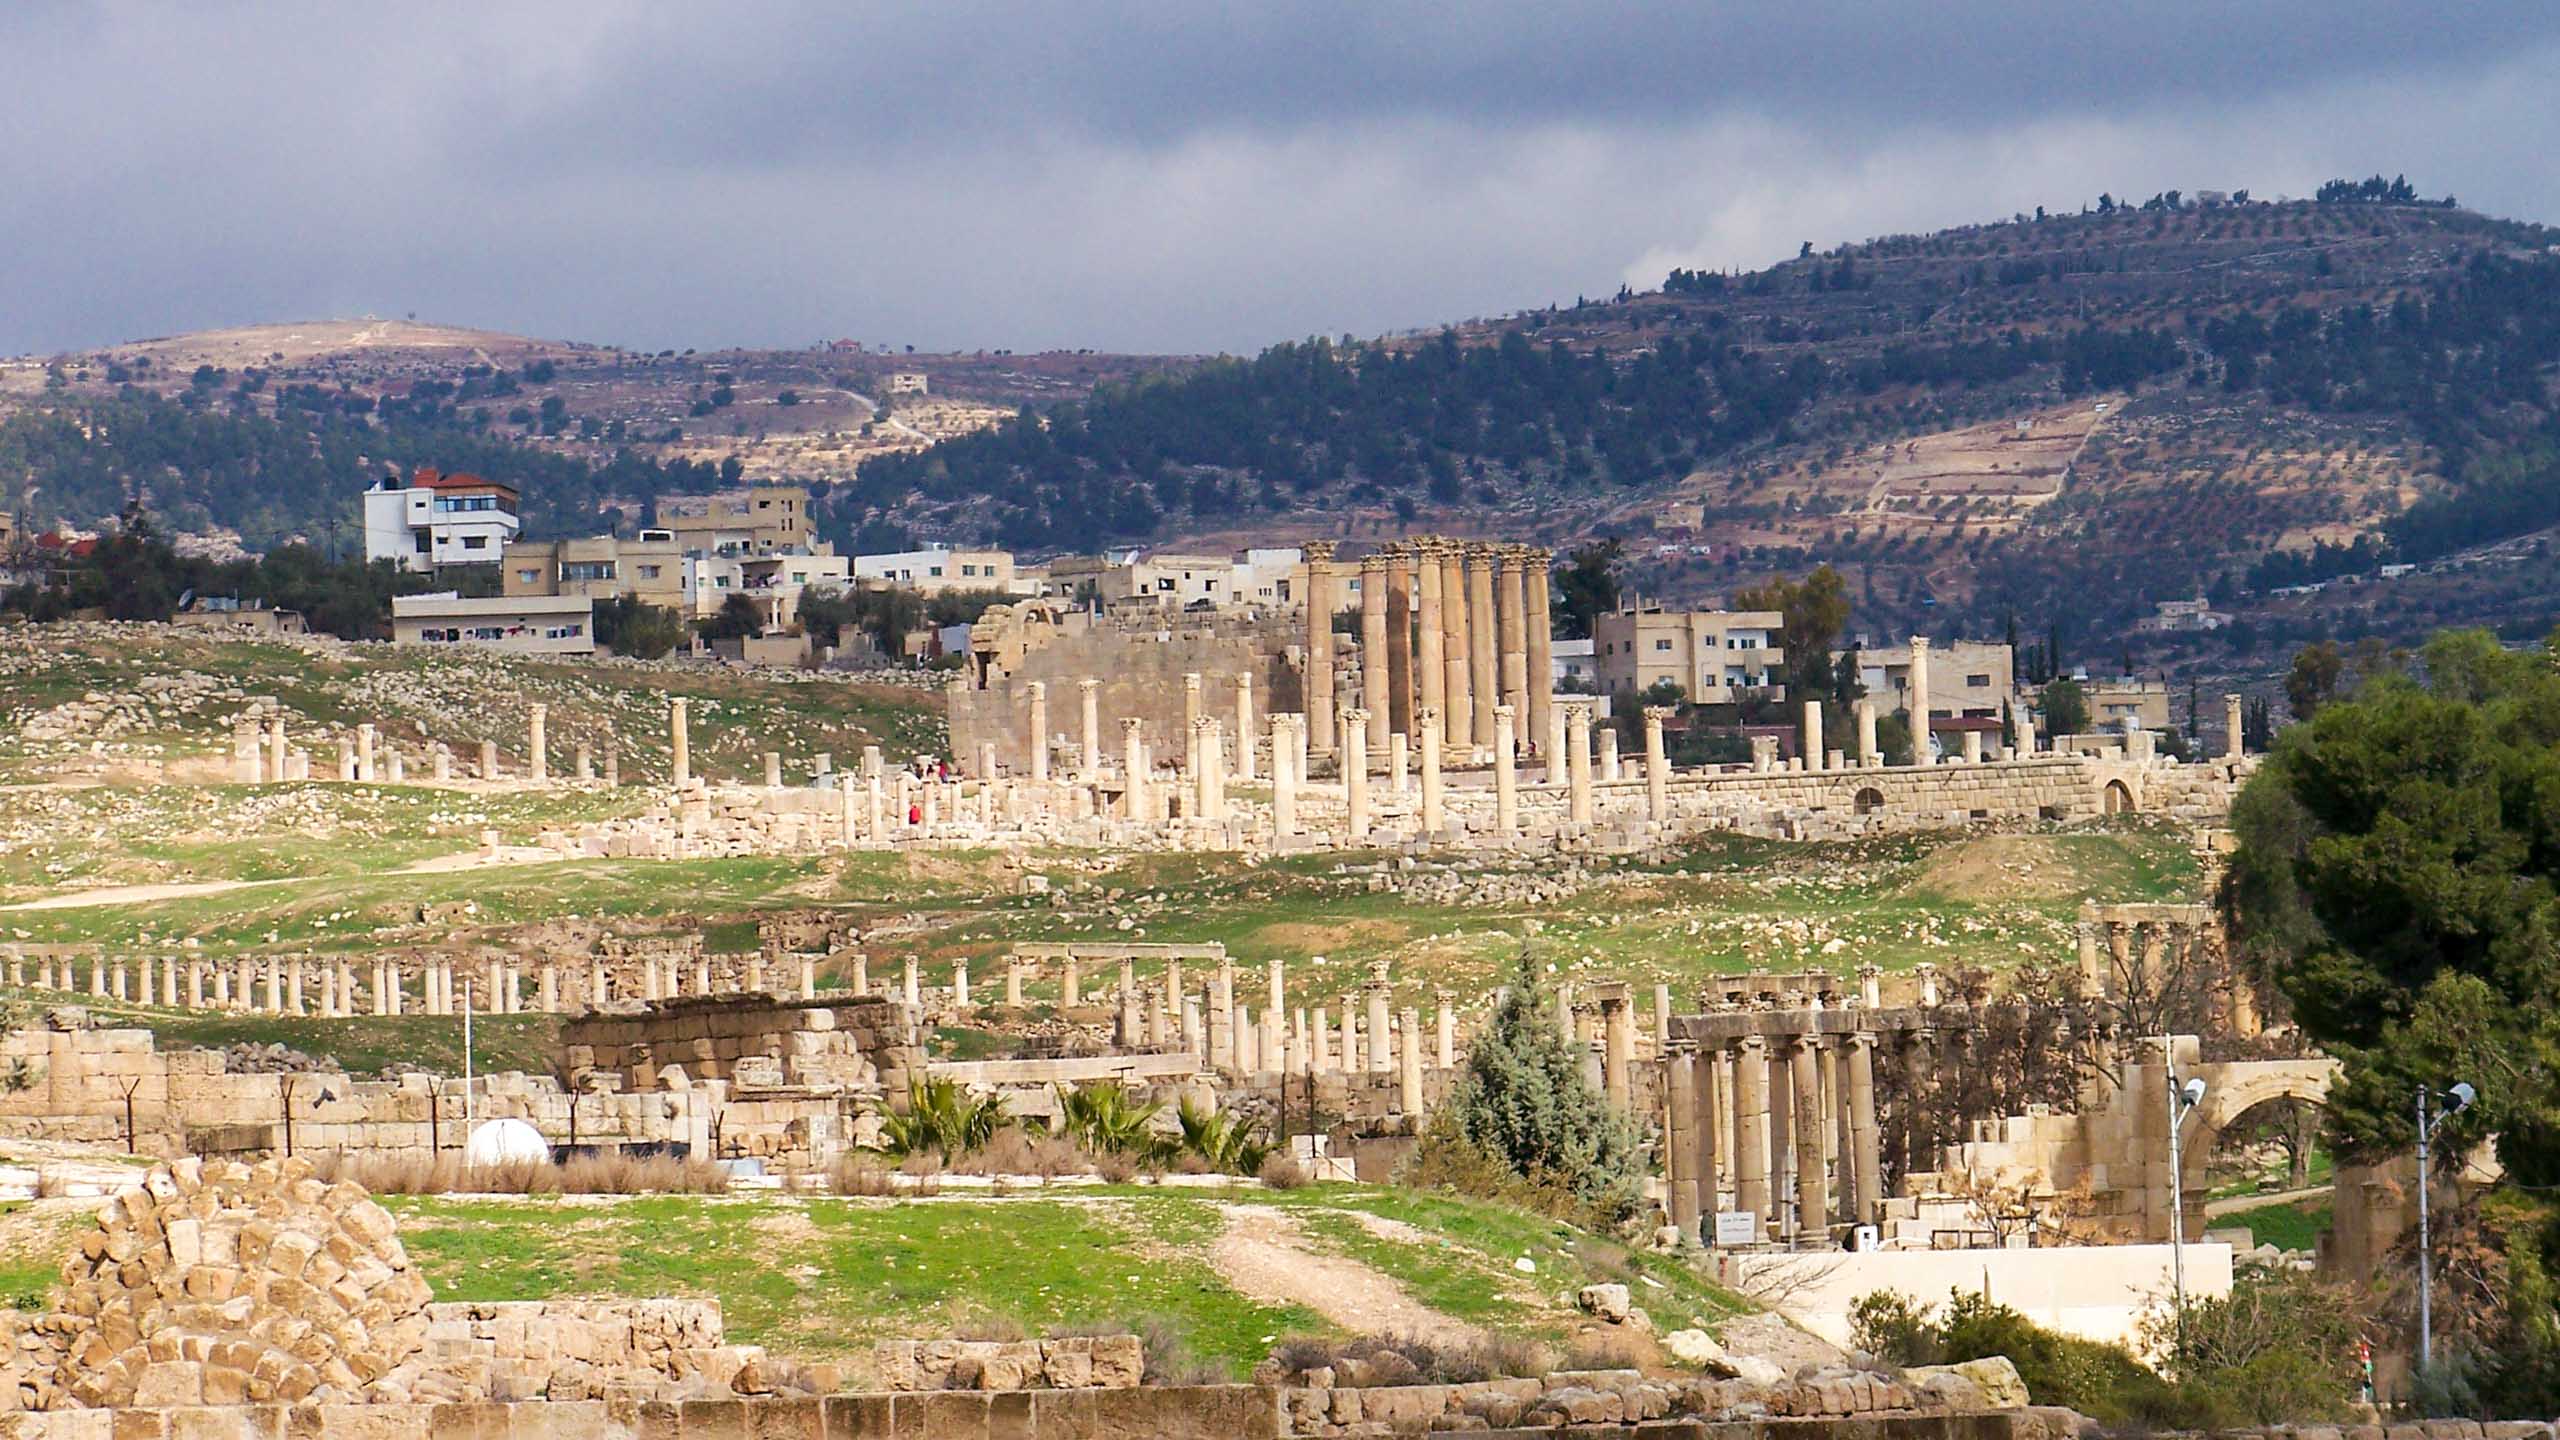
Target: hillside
x=2067, y=416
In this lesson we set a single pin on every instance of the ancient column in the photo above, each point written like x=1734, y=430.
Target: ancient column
x=1284, y=779
x=1866, y=1146
x=1782, y=1132
x=1275, y=1017
x=1973, y=747
x=2023, y=720
x=1867, y=755
x=1484, y=677
x=364, y=752
x=1618, y=1035
x=1244, y=725
x=1400, y=681
x=346, y=757
x=1804, y=1083
x=1378, y=995
x=1657, y=766
x=1373, y=648
x=679, y=743
x=1397, y=770
x=1409, y=1056
x=1918, y=702
x=1680, y=1146
x=1447, y=1050
x=585, y=762
x=1128, y=1037
x=1712, y=1135
x=612, y=767
x=2233, y=732
x=1751, y=1127
x=1430, y=661
x=1039, y=737
x=773, y=769
x=537, y=743
x=1550, y=743
x=1133, y=766
x=1320, y=1043
x=1090, y=757
x=1458, y=710
x=195, y=985
x=1427, y=721
x=911, y=983
x=1070, y=983
x=1577, y=751
x=960, y=983
x=1319, y=706
x=1510, y=579
x=1535, y=603
x=1201, y=806
x=1607, y=735
x=1221, y=1018
x=279, y=754
x=1190, y=725
x=1355, y=778
x=1506, y=782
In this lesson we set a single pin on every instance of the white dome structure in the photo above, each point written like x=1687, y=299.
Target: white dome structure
x=506, y=1142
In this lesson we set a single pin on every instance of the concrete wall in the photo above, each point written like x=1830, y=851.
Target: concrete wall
x=2096, y=1291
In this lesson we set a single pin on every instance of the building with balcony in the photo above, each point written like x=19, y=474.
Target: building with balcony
x=1712, y=655
x=433, y=520
x=523, y=624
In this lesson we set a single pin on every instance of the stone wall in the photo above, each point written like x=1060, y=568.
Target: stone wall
x=1141, y=676
x=188, y=1101
x=839, y=1043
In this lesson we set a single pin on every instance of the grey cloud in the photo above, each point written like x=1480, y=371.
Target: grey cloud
x=1144, y=176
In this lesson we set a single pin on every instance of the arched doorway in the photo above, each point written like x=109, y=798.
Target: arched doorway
x=2252, y=1153
x=2116, y=799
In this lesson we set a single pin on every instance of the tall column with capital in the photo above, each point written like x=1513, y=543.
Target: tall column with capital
x=1430, y=659
x=1400, y=681
x=1813, y=734
x=1373, y=648
x=1804, y=1084
x=1427, y=719
x=1133, y=746
x=1751, y=1127
x=1088, y=698
x=1509, y=579
x=1866, y=1147
x=1458, y=713
x=1039, y=736
x=1577, y=757
x=1918, y=703
x=537, y=746
x=1319, y=706
x=1484, y=676
x=1355, y=778
x=1535, y=608
x=1679, y=1142
x=1284, y=777
x=679, y=743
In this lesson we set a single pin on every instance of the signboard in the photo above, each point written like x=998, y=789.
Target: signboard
x=1737, y=1227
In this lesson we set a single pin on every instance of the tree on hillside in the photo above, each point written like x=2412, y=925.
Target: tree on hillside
x=1522, y=1099
x=2065, y=707
x=1812, y=612
x=1585, y=585
x=2398, y=874
x=2313, y=680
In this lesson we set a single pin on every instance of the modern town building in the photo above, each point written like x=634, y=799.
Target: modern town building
x=756, y=520
x=434, y=520
x=1712, y=655
x=525, y=624
x=937, y=570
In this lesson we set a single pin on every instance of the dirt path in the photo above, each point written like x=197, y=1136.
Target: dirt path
x=1267, y=1257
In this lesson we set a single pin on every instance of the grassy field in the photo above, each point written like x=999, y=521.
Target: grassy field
x=2297, y=1225
x=826, y=1278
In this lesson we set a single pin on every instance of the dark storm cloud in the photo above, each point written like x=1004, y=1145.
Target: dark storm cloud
x=1145, y=176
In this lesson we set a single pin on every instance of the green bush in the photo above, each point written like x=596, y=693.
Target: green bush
x=1523, y=1101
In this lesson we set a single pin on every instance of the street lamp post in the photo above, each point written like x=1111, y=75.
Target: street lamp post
x=2182, y=1099
x=2459, y=1099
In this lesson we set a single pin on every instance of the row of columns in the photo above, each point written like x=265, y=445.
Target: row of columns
x=1452, y=629
x=262, y=752
x=334, y=987
x=1784, y=1126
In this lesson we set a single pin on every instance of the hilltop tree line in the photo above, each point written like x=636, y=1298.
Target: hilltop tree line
x=298, y=473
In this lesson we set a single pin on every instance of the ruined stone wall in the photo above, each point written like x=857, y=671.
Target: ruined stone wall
x=188, y=1101
x=837, y=1043
x=1141, y=675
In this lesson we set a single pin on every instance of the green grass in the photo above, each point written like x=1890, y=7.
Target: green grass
x=831, y=1276
x=2295, y=1226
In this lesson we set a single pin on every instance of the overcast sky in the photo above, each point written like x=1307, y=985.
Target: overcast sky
x=1168, y=177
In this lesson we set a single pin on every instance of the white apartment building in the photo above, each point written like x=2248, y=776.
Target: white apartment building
x=937, y=570
x=437, y=519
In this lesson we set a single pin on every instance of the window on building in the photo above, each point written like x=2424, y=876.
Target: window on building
x=649, y=572
x=528, y=577
x=475, y=542
x=587, y=570
x=936, y=570
x=1661, y=645
x=1978, y=682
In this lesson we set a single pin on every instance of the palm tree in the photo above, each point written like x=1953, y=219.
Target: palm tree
x=1103, y=1117
x=942, y=1118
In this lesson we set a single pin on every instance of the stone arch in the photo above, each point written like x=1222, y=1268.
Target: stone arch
x=2116, y=798
x=1870, y=800
x=2234, y=1088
